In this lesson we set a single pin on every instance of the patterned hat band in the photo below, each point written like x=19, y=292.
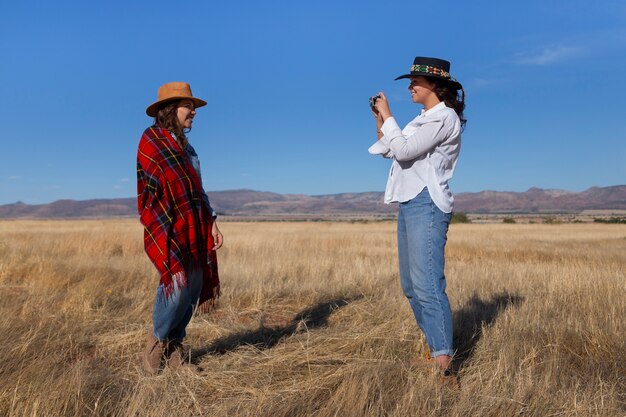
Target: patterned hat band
x=434, y=68
x=427, y=69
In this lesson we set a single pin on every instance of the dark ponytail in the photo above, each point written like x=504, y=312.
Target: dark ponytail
x=451, y=97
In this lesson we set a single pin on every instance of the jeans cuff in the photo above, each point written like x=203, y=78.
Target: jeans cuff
x=436, y=353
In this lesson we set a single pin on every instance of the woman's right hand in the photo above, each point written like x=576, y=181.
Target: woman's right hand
x=379, y=122
x=218, y=238
x=382, y=107
x=377, y=117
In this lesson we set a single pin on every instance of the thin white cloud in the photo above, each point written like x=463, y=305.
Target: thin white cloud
x=550, y=55
x=480, y=82
x=121, y=183
x=15, y=177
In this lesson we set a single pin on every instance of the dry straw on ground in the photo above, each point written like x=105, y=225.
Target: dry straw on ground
x=312, y=322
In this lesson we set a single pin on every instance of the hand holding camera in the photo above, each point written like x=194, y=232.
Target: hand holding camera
x=380, y=106
x=373, y=101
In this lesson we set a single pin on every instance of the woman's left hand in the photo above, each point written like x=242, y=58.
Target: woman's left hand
x=383, y=106
x=218, y=238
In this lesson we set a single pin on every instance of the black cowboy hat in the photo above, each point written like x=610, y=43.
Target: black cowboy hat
x=434, y=68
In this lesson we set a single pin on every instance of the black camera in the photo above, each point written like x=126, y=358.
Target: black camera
x=373, y=100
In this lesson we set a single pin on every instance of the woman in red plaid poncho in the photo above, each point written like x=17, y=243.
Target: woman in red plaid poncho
x=180, y=232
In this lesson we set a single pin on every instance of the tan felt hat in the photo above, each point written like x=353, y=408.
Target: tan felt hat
x=170, y=92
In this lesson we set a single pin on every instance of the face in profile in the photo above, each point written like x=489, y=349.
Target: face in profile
x=421, y=89
x=185, y=113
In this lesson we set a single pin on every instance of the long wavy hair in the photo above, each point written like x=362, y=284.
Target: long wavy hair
x=167, y=117
x=450, y=96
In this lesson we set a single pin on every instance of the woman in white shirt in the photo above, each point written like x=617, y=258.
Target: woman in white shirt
x=424, y=155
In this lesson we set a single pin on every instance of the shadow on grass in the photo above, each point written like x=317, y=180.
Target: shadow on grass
x=469, y=322
x=268, y=337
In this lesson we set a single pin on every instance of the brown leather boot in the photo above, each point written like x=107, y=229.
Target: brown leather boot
x=152, y=355
x=179, y=358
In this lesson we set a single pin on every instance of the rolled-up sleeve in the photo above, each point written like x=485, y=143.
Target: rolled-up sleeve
x=379, y=148
x=406, y=148
x=207, y=204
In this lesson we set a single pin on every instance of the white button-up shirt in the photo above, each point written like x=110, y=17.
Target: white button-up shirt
x=424, y=154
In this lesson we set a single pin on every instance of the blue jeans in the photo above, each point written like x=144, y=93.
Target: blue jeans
x=172, y=315
x=422, y=230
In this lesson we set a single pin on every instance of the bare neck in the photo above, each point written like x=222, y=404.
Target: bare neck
x=431, y=102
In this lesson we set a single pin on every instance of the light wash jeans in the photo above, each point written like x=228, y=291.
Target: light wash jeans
x=422, y=230
x=172, y=315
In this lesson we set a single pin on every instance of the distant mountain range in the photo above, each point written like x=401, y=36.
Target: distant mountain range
x=537, y=200
x=250, y=204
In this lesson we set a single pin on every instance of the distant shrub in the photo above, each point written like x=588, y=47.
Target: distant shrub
x=361, y=221
x=612, y=220
x=509, y=220
x=551, y=220
x=116, y=250
x=460, y=217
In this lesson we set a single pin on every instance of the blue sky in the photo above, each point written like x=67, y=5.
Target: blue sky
x=287, y=84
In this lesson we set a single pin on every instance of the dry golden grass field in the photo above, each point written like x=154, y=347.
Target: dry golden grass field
x=312, y=322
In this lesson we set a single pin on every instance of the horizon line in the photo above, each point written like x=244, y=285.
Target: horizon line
x=316, y=195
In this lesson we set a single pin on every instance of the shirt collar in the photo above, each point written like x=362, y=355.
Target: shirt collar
x=434, y=109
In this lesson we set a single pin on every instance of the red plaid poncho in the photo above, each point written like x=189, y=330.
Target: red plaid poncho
x=177, y=222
